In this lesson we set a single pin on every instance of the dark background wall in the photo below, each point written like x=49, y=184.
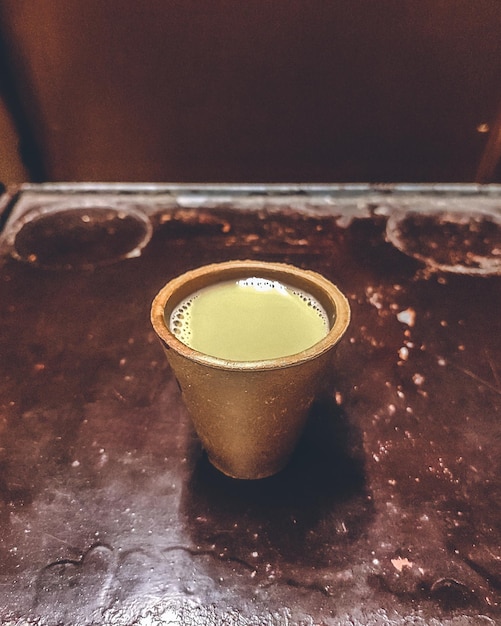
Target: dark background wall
x=227, y=90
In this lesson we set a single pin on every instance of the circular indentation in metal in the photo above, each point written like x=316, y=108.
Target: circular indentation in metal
x=463, y=242
x=81, y=235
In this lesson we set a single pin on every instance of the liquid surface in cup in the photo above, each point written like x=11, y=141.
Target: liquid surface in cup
x=249, y=319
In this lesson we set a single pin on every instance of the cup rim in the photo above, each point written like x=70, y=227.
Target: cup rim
x=183, y=285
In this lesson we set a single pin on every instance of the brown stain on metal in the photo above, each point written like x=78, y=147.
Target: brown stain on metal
x=110, y=511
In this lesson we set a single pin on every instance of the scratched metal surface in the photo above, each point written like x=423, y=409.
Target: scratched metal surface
x=389, y=513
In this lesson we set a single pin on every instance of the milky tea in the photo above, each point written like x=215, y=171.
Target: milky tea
x=249, y=319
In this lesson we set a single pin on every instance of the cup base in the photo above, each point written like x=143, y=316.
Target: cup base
x=258, y=474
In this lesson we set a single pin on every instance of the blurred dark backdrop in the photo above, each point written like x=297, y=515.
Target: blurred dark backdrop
x=284, y=91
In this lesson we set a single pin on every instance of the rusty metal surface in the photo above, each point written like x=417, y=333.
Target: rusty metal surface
x=389, y=512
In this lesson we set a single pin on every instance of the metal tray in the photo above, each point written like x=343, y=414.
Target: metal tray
x=389, y=512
